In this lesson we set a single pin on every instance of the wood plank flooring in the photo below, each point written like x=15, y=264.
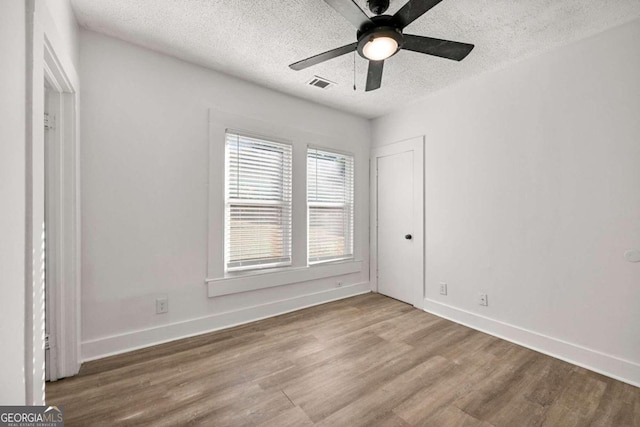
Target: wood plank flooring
x=362, y=361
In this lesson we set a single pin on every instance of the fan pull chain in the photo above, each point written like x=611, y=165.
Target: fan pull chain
x=354, y=70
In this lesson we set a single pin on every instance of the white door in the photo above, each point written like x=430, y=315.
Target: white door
x=396, y=244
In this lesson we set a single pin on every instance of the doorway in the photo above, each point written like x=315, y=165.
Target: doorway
x=398, y=220
x=61, y=231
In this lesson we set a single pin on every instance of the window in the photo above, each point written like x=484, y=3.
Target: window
x=330, y=205
x=258, y=203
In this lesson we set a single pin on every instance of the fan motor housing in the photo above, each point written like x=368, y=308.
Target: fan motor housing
x=378, y=22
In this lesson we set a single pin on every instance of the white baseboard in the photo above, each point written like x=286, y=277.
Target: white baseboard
x=116, y=344
x=605, y=364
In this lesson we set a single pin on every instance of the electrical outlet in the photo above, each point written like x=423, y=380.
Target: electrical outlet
x=483, y=299
x=339, y=284
x=443, y=288
x=162, y=305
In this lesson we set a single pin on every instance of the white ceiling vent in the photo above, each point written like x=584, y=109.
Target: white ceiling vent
x=320, y=82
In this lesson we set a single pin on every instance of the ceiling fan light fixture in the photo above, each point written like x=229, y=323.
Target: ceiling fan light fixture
x=379, y=43
x=380, y=48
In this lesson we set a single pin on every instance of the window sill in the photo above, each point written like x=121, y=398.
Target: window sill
x=331, y=261
x=257, y=269
x=260, y=279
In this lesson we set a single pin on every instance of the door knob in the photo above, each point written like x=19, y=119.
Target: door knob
x=408, y=236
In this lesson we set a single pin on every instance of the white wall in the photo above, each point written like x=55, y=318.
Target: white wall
x=145, y=170
x=533, y=195
x=12, y=207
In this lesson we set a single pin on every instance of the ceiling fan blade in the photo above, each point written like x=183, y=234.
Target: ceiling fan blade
x=374, y=75
x=436, y=47
x=350, y=10
x=321, y=57
x=413, y=10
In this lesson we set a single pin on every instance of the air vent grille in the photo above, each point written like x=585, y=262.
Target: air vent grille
x=320, y=82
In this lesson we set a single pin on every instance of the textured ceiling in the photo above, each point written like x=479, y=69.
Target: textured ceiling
x=257, y=39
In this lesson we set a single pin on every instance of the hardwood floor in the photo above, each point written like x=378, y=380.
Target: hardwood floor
x=363, y=361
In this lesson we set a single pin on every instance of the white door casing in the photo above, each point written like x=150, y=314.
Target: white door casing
x=62, y=217
x=51, y=220
x=397, y=210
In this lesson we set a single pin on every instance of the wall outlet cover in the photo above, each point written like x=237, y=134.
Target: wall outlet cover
x=443, y=288
x=483, y=299
x=162, y=305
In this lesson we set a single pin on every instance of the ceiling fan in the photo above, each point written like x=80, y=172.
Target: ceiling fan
x=381, y=37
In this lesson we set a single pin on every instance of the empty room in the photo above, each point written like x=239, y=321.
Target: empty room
x=320, y=212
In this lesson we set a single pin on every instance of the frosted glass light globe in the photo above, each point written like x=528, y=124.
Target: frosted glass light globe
x=380, y=48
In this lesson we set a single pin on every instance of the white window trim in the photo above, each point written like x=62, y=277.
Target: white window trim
x=218, y=281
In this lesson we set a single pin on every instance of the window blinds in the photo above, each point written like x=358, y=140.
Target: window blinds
x=258, y=203
x=330, y=205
